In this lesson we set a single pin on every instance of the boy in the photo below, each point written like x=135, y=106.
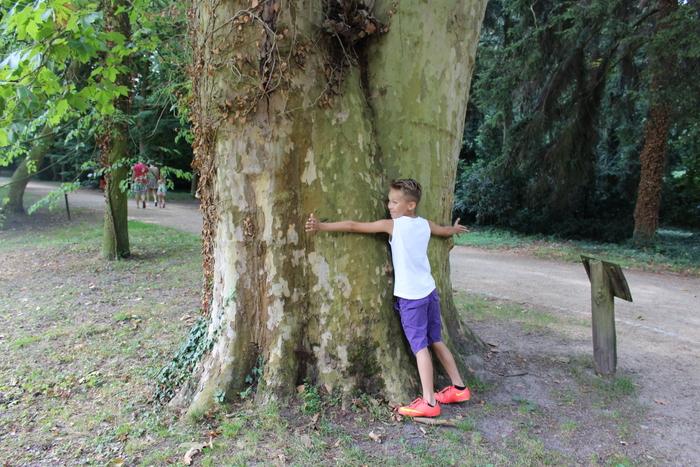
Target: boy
x=414, y=288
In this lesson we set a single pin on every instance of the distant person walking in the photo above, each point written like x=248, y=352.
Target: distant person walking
x=139, y=183
x=162, y=190
x=153, y=177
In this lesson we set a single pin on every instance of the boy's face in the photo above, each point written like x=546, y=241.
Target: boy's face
x=399, y=205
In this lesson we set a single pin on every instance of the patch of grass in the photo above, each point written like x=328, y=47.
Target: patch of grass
x=494, y=238
x=123, y=316
x=568, y=426
x=566, y=396
x=478, y=308
x=607, y=389
x=230, y=429
x=526, y=407
x=619, y=460
x=466, y=424
x=615, y=388
x=530, y=450
x=675, y=250
x=23, y=342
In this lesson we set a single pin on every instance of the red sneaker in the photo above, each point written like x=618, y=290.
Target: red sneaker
x=452, y=395
x=420, y=408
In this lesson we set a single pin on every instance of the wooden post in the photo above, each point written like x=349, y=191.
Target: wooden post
x=607, y=282
x=65, y=197
x=602, y=307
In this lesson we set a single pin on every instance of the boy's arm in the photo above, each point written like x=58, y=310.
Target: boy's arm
x=447, y=230
x=380, y=226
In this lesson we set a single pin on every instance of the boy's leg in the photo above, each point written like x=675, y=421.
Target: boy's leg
x=457, y=392
x=448, y=363
x=414, y=323
x=425, y=371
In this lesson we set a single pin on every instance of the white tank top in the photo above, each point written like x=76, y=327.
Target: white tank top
x=409, y=252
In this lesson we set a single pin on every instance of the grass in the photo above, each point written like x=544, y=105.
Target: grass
x=674, y=250
x=76, y=378
x=477, y=308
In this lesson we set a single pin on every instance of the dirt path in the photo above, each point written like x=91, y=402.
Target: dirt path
x=183, y=215
x=658, y=334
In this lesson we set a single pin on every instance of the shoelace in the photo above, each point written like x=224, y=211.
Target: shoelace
x=415, y=402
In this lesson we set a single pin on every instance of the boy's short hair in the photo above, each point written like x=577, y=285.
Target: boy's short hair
x=408, y=187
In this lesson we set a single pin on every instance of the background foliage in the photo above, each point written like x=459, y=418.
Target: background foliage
x=60, y=69
x=555, y=124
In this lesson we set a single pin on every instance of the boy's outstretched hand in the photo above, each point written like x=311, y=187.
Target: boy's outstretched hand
x=459, y=229
x=311, y=224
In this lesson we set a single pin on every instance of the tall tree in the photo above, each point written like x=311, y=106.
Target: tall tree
x=114, y=144
x=48, y=78
x=653, y=155
x=303, y=106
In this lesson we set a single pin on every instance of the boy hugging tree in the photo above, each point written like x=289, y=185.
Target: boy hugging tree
x=417, y=300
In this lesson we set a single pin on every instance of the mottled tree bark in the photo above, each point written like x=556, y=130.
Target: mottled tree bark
x=114, y=146
x=319, y=308
x=653, y=155
x=22, y=174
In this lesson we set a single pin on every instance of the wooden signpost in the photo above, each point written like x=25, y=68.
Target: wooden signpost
x=607, y=282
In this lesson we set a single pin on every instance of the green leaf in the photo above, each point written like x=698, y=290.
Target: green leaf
x=32, y=30
x=77, y=101
x=58, y=111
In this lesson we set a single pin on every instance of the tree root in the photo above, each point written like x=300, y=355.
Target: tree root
x=435, y=421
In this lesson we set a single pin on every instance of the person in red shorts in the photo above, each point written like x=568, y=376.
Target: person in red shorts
x=139, y=183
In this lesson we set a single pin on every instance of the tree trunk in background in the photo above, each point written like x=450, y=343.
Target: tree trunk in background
x=22, y=174
x=653, y=155
x=653, y=162
x=114, y=145
x=319, y=307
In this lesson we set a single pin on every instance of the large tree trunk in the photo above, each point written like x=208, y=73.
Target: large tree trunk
x=653, y=155
x=24, y=171
x=114, y=145
x=320, y=137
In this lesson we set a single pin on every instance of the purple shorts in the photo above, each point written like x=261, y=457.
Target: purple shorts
x=420, y=320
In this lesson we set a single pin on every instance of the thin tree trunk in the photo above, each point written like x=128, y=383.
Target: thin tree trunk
x=22, y=174
x=653, y=163
x=114, y=145
x=115, y=238
x=319, y=308
x=653, y=155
